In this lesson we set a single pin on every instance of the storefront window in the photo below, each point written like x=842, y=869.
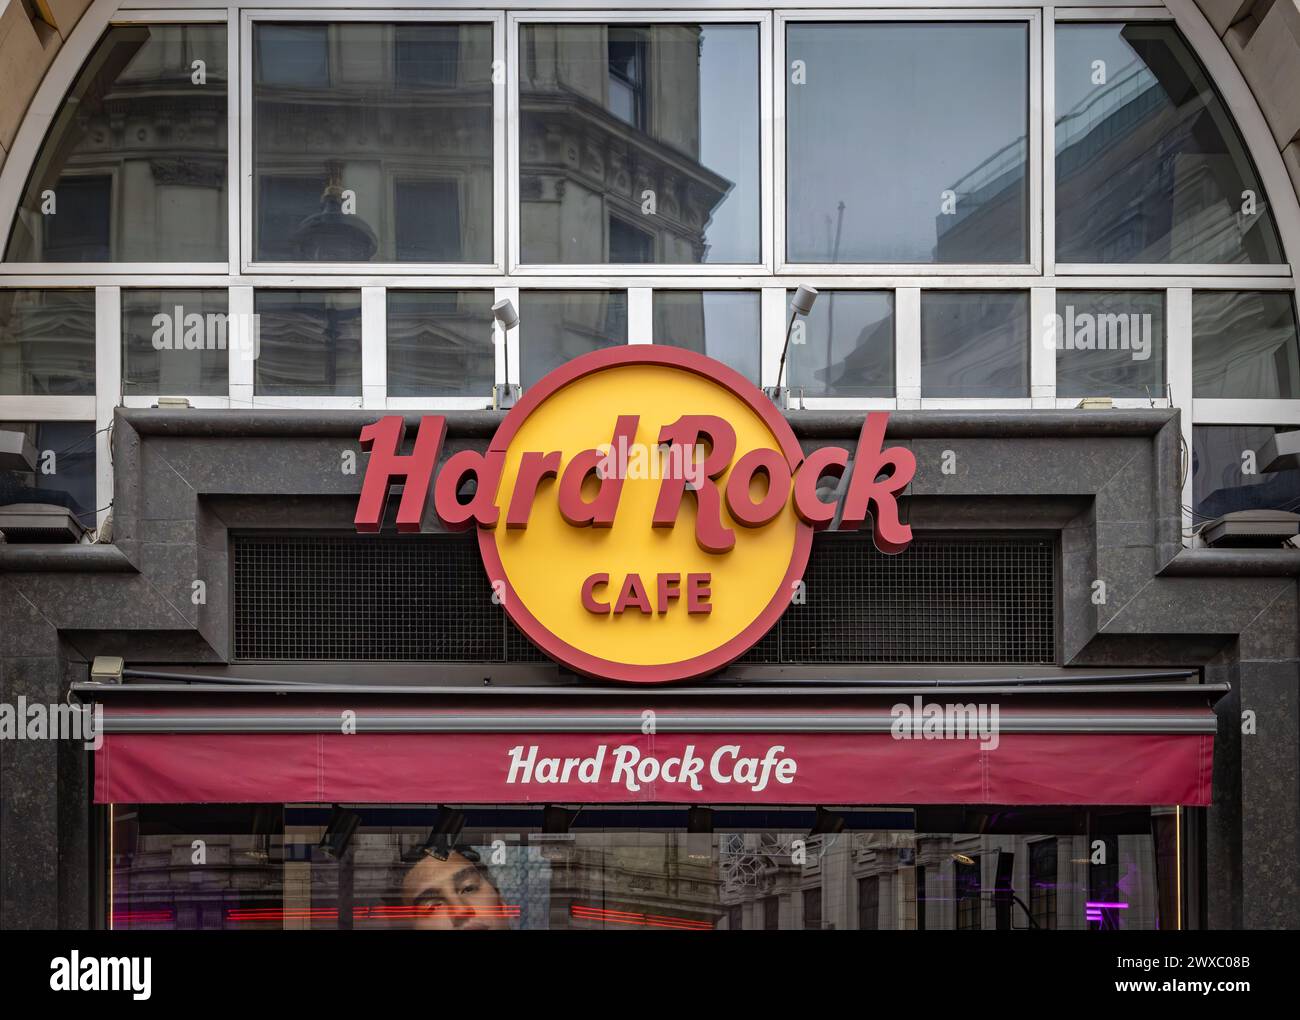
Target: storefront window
x=906, y=142
x=556, y=326
x=724, y=324
x=974, y=344
x=373, y=142
x=845, y=347
x=1244, y=345
x=440, y=343
x=639, y=143
x=310, y=343
x=176, y=342
x=1149, y=166
x=1109, y=343
x=47, y=342
x=301, y=866
x=134, y=167
x=64, y=473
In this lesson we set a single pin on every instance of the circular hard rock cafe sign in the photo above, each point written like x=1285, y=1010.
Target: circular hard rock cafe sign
x=644, y=513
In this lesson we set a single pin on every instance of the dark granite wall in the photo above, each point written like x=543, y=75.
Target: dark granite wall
x=1106, y=481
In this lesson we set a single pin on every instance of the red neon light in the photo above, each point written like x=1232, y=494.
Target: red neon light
x=129, y=917
x=635, y=919
x=378, y=913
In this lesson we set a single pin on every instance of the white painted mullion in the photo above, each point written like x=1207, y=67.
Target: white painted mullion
x=234, y=140
x=1244, y=411
x=907, y=347
x=774, y=316
x=241, y=96
x=1049, y=141
x=108, y=390
x=374, y=346
x=243, y=347
x=1042, y=347
x=640, y=315
x=22, y=407
x=507, y=352
x=502, y=214
x=1179, y=359
x=1036, y=156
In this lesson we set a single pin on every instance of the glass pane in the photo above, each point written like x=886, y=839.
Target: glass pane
x=724, y=324
x=440, y=343
x=845, y=348
x=1220, y=484
x=277, y=867
x=556, y=326
x=652, y=125
x=47, y=342
x=1109, y=343
x=65, y=467
x=905, y=142
x=372, y=142
x=310, y=343
x=1149, y=165
x=134, y=166
x=974, y=344
x=175, y=342
x=1244, y=345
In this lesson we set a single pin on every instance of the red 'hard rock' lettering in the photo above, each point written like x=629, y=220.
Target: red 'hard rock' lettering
x=877, y=475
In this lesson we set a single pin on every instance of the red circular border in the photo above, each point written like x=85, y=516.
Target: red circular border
x=684, y=669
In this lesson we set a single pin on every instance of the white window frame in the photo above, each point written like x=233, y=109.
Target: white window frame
x=1257, y=145
x=250, y=15
x=45, y=107
x=1032, y=18
x=760, y=17
x=772, y=277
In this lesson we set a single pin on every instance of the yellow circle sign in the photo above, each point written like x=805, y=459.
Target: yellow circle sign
x=647, y=529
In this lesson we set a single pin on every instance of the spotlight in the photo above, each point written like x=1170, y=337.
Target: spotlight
x=505, y=316
x=338, y=834
x=444, y=834
x=827, y=823
x=966, y=859
x=556, y=819
x=699, y=819
x=801, y=304
x=504, y=313
x=803, y=300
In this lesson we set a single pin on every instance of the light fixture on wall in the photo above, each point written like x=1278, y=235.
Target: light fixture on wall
x=338, y=833
x=506, y=318
x=800, y=305
x=444, y=834
x=827, y=823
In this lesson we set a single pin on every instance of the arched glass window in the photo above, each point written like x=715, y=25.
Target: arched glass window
x=134, y=167
x=1149, y=165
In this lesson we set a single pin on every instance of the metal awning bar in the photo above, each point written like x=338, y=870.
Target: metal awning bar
x=624, y=722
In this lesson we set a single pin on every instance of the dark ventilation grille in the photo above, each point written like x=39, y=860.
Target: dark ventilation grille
x=425, y=598
x=960, y=600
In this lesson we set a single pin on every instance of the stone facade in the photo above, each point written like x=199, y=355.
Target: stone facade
x=1105, y=482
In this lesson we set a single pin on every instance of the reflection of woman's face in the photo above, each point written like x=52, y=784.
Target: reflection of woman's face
x=454, y=894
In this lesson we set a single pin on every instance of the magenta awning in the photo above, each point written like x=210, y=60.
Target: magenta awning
x=1135, y=744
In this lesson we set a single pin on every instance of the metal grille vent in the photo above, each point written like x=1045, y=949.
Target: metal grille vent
x=425, y=598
